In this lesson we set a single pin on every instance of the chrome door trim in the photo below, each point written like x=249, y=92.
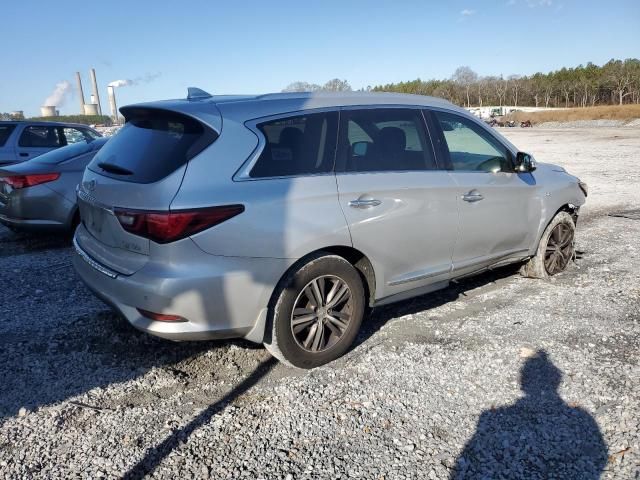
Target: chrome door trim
x=421, y=275
x=489, y=259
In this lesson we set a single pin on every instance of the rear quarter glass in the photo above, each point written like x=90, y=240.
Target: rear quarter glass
x=152, y=144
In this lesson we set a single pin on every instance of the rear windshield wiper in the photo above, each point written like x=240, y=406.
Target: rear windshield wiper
x=113, y=168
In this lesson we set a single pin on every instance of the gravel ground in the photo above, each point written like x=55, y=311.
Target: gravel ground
x=496, y=377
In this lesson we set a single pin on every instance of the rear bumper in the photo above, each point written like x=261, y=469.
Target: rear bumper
x=34, y=225
x=36, y=208
x=220, y=297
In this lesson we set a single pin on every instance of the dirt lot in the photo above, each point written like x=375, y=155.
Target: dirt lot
x=495, y=377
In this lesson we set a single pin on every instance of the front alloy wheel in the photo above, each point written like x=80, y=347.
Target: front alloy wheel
x=555, y=250
x=559, y=250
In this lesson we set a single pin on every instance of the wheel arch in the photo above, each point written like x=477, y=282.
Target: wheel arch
x=570, y=208
x=352, y=255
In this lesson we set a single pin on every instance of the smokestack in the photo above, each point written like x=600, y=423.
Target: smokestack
x=95, y=89
x=112, y=103
x=80, y=92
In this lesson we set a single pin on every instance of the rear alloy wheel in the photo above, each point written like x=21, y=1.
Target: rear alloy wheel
x=317, y=314
x=321, y=313
x=556, y=249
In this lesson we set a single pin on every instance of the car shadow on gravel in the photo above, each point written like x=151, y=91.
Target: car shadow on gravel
x=18, y=243
x=539, y=436
x=380, y=316
x=94, y=351
x=154, y=456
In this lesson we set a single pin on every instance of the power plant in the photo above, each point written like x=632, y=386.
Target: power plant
x=92, y=108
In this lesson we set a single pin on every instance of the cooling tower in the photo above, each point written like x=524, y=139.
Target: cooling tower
x=48, y=111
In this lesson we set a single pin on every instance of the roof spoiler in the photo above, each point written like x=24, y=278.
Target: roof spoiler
x=194, y=93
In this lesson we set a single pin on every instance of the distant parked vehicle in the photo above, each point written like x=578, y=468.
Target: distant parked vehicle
x=40, y=194
x=526, y=124
x=279, y=218
x=25, y=140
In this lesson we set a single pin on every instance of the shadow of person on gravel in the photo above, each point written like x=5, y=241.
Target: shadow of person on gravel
x=539, y=436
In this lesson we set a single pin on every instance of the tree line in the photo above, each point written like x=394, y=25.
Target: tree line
x=83, y=119
x=615, y=83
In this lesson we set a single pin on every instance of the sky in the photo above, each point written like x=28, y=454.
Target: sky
x=227, y=47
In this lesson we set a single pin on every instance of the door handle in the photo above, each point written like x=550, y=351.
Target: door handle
x=472, y=196
x=364, y=203
x=24, y=154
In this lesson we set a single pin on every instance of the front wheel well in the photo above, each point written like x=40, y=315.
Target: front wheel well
x=570, y=208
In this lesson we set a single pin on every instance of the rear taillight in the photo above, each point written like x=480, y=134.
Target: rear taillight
x=24, y=181
x=165, y=227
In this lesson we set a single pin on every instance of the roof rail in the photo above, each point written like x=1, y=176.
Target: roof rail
x=194, y=93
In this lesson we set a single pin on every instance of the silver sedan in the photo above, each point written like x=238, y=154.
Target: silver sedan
x=40, y=194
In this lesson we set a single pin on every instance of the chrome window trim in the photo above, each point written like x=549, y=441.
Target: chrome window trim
x=243, y=173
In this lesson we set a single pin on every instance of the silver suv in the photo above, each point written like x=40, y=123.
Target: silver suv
x=280, y=218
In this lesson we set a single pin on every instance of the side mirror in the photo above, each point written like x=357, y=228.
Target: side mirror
x=525, y=163
x=446, y=126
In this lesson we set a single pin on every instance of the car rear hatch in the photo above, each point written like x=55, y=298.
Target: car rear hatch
x=140, y=169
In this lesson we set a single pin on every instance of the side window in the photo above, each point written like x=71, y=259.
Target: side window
x=300, y=145
x=40, y=136
x=75, y=135
x=89, y=134
x=470, y=147
x=385, y=139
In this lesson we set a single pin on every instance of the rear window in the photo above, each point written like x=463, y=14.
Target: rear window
x=5, y=131
x=151, y=145
x=71, y=151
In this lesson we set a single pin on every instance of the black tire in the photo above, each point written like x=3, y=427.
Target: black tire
x=557, y=240
x=296, y=290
